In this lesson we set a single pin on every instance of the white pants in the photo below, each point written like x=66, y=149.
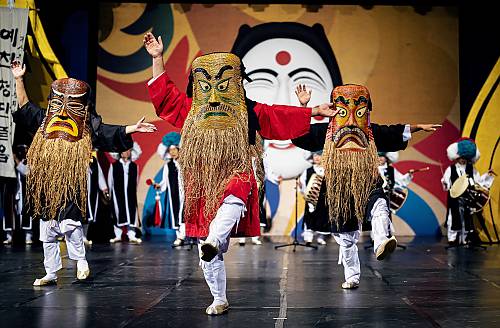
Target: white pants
x=181, y=232
x=309, y=234
x=454, y=234
x=348, y=251
x=219, y=234
x=73, y=233
x=118, y=231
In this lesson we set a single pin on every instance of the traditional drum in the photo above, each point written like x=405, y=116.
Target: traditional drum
x=397, y=197
x=474, y=196
x=312, y=189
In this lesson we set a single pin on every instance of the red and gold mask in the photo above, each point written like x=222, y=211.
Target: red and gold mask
x=67, y=110
x=350, y=128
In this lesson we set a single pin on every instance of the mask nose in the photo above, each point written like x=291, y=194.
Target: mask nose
x=63, y=112
x=213, y=101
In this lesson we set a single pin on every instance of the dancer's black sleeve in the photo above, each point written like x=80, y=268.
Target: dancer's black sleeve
x=112, y=138
x=387, y=137
x=29, y=117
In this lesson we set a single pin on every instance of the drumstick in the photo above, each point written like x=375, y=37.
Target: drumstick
x=420, y=170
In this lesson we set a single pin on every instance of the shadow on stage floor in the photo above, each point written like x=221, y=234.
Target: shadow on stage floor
x=153, y=285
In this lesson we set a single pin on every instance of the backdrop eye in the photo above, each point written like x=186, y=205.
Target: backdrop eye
x=342, y=111
x=205, y=86
x=223, y=85
x=360, y=112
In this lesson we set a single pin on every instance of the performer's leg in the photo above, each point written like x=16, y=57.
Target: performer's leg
x=321, y=238
x=85, y=234
x=73, y=232
x=132, y=236
x=383, y=242
x=308, y=234
x=118, y=234
x=348, y=256
x=242, y=241
x=215, y=276
x=49, y=231
x=256, y=241
x=220, y=228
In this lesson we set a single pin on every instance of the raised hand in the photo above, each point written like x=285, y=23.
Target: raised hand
x=303, y=95
x=141, y=126
x=153, y=46
x=17, y=69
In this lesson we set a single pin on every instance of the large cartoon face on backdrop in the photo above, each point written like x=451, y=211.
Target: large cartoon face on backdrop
x=217, y=89
x=67, y=110
x=277, y=58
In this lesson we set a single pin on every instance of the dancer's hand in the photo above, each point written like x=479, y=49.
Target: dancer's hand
x=325, y=110
x=425, y=127
x=154, y=47
x=303, y=95
x=17, y=69
x=140, y=126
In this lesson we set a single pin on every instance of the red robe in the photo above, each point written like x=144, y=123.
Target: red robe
x=277, y=122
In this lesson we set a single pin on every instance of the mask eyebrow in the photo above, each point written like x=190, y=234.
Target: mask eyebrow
x=222, y=70
x=361, y=99
x=264, y=70
x=203, y=71
x=304, y=69
x=342, y=100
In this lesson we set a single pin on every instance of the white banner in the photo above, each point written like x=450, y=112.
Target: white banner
x=13, y=25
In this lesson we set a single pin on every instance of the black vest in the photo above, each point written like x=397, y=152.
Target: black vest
x=118, y=189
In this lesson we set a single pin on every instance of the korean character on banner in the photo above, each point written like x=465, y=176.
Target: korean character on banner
x=4, y=133
x=5, y=88
x=4, y=109
x=3, y=156
x=11, y=35
x=6, y=58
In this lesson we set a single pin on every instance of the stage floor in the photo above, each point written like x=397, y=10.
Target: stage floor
x=153, y=285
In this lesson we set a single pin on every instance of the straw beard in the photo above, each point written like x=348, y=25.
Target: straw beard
x=210, y=158
x=57, y=174
x=350, y=177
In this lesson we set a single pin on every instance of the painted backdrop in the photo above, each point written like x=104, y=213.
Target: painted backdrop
x=408, y=61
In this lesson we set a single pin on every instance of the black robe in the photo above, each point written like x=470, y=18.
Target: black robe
x=105, y=137
x=387, y=138
x=125, y=207
x=172, y=213
x=456, y=207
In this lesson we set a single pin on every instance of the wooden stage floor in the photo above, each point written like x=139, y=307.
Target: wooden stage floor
x=153, y=285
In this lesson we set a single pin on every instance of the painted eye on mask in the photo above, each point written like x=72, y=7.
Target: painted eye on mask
x=223, y=85
x=342, y=111
x=205, y=86
x=360, y=112
x=56, y=104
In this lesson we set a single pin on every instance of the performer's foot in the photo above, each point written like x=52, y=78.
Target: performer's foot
x=350, y=285
x=208, y=252
x=8, y=239
x=28, y=238
x=179, y=242
x=386, y=248
x=49, y=279
x=136, y=241
x=115, y=240
x=256, y=241
x=321, y=241
x=83, y=270
x=242, y=241
x=217, y=309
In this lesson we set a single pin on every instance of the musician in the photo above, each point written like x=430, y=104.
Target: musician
x=122, y=181
x=316, y=172
x=464, y=153
x=392, y=177
x=171, y=185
